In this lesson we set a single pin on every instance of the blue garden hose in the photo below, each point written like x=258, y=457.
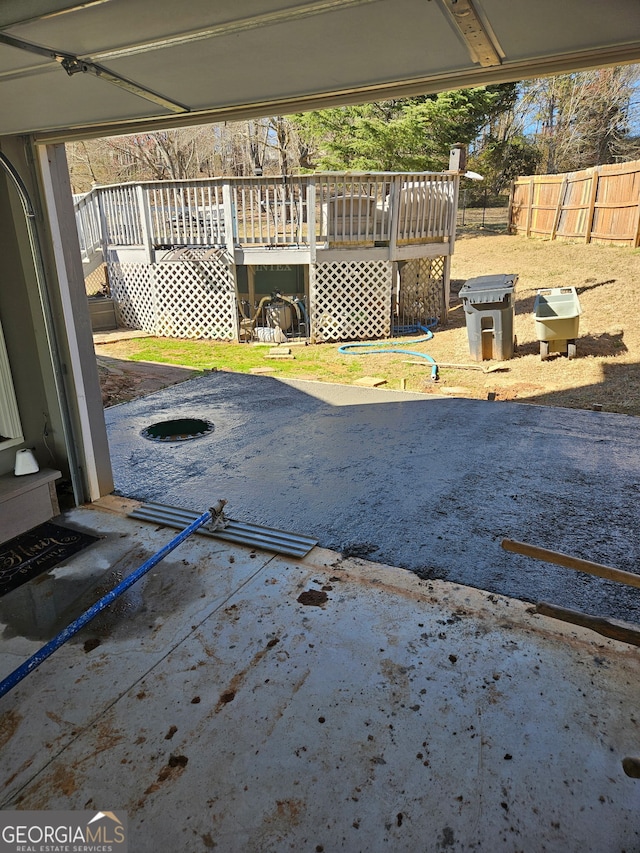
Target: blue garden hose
x=385, y=349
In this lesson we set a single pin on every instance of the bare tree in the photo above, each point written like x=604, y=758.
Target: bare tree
x=257, y=135
x=266, y=146
x=89, y=163
x=583, y=119
x=162, y=155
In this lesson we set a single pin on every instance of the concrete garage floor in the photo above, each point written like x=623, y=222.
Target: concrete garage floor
x=220, y=712
x=428, y=484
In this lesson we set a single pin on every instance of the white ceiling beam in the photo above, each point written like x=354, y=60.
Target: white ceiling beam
x=468, y=25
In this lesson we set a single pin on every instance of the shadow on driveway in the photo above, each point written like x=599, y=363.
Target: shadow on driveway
x=428, y=484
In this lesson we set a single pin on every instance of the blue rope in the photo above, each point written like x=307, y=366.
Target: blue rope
x=53, y=645
x=391, y=347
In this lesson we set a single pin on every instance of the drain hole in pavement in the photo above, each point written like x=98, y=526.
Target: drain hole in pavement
x=182, y=429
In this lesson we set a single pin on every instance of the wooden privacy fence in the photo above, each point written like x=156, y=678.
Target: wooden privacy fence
x=600, y=205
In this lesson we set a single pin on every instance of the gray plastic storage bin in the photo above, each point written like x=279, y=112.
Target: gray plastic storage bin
x=557, y=314
x=489, y=311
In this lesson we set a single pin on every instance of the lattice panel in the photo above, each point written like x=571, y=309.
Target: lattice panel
x=195, y=299
x=421, y=292
x=182, y=299
x=130, y=286
x=351, y=301
x=97, y=282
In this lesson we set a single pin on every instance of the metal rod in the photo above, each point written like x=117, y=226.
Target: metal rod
x=60, y=639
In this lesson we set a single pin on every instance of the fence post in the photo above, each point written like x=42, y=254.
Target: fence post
x=142, y=199
x=229, y=223
x=588, y=226
x=102, y=219
x=394, y=205
x=635, y=241
x=556, y=219
x=530, y=207
x=311, y=218
x=512, y=192
x=446, y=270
x=312, y=303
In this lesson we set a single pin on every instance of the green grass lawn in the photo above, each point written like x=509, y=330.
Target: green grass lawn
x=321, y=362
x=308, y=362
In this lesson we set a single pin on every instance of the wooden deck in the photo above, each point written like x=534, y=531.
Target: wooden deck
x=354, y=255
x=394, y=213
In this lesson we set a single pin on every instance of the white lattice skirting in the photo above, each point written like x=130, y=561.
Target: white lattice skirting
x=351, y=301
x=421, y=291
x=178, y=299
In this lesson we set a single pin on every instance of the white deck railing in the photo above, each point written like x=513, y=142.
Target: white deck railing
x=326, y=209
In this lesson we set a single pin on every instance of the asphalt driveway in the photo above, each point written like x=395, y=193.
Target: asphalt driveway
x=428, y=484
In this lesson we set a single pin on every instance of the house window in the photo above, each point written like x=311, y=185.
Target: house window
x=10, y=426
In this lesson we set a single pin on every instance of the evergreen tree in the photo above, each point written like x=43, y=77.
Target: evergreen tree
x=407, y=134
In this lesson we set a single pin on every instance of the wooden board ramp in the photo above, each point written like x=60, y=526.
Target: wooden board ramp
x=569, y=562
x=612, y=628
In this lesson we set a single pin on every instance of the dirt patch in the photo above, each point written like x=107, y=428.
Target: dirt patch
x=313, y=598
x=121, y=381
x=9, y=722
x=173, y=768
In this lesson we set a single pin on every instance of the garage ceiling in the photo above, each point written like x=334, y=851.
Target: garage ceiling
x=71, y=69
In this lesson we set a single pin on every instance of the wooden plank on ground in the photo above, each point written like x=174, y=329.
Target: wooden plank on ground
x=569, y=562
x=370, y=381
x=613, y=628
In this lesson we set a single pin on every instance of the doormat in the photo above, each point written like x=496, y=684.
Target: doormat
x=27, y=556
